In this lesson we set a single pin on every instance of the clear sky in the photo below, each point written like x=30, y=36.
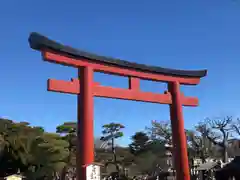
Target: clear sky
x=182, y=34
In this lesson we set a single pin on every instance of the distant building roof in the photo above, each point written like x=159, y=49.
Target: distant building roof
x=234, y=164
x=207, y=166
x=231, y=169
x=14, y=175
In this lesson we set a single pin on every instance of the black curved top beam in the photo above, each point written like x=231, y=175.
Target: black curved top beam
x=40, y=42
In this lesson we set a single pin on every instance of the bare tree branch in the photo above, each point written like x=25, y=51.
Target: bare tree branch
x=161, y=130
x=236, y=126
x=224, y=126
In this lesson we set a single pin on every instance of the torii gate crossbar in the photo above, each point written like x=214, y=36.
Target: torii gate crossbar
x=85, y=88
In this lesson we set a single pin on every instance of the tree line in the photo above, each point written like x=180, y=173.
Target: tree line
x=38, y=154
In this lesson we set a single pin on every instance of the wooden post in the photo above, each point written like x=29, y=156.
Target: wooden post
x=178, y=133
x=85, y=143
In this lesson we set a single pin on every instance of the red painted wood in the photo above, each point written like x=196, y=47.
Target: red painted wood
x=134, y=83
x=72, y=87
x=179, y=137
x=64, y=60
x=85, y=145
x=89, y=89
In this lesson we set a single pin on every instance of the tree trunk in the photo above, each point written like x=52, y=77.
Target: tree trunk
x=203, y=156
x=225, y=155
x=225, y=152
x=114, y=155
x=63, y=173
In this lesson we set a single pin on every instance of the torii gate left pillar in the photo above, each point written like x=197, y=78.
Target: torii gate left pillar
x=86, y=89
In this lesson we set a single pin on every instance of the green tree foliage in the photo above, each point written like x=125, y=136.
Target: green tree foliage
x=111, y=132
x=140, y=143
x=31, y=150
x=49, y=156
x=42, y=155
x=112, y=129
x=68, y=131
x=146, y=162
x=149, y=151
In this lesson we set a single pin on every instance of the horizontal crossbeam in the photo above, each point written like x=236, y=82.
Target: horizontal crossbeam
x=73, y=87
x=83, y=62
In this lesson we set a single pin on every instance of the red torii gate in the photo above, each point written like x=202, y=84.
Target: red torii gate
x=86, y=89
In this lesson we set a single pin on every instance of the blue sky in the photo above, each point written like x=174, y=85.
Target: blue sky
x=182, y=34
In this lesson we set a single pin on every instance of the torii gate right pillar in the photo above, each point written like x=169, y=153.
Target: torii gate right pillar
x=178, y=133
